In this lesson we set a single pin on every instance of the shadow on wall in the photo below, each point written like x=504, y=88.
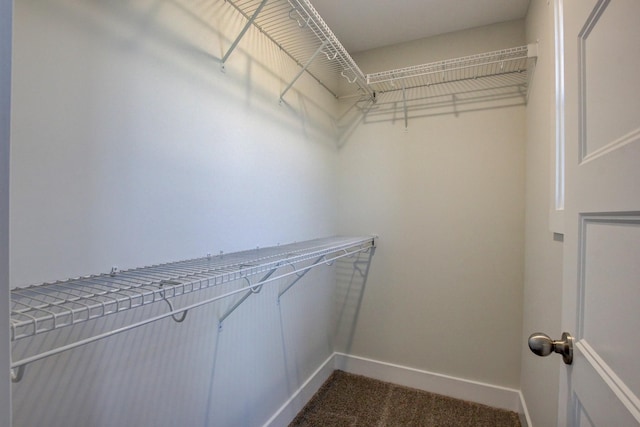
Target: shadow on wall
x=351, y=118
x=452, y=98
x=351, y=281
x=178, y=37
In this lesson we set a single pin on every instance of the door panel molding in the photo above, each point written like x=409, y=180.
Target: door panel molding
x=612, y=290
x=585, y=220
x=633, y=136
x=589, y=25
x=606, y=95
x=627, y=398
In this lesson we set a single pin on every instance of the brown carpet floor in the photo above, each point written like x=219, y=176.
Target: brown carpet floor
x=347, y=400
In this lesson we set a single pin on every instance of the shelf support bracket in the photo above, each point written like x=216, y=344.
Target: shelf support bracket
x=300, y=276
x=304, y=68
x=305, y=22
x=349, y=79
x=242, y=33
x=404, y=106
x=252, y=290
x=171, y=309
x=176, y=319
x=17, y=373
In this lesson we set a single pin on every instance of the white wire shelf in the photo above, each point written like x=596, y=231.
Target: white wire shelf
x=42, y=308
x=515, y=60
x=300, y=32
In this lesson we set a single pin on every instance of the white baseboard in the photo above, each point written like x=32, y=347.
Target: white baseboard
x=525, y=419
x=302, y=395
x=473, y=391
x=486, y=394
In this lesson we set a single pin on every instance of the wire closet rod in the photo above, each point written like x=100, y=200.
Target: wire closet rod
x=18, y=366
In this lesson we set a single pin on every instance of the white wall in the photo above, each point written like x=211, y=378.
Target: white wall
x=447, y=199
x=131, y=147
x=543, y=254
x=6, y=13
x=446, y=46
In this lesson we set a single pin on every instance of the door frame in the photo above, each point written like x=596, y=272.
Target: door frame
x=6, y=26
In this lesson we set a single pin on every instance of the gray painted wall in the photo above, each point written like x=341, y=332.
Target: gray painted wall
x=446, y=197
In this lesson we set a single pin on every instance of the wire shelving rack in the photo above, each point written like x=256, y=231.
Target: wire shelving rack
x=300, y=32
x=500, y=62
x=485, y=72
x=46, y=307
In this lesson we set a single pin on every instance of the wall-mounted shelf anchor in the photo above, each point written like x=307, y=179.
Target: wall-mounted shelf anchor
x=17, y=373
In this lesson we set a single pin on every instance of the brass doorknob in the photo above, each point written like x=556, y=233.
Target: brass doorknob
x=542, y=345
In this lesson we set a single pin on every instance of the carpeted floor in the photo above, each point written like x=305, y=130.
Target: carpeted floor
x=347, y=400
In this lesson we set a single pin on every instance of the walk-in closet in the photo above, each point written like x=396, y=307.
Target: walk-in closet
x=208, y=208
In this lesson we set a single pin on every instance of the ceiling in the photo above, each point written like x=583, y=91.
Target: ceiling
x=366, y=24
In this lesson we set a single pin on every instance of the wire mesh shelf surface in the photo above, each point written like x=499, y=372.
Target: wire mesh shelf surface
x=49, y=306
x=299, y=31
x=506, y=61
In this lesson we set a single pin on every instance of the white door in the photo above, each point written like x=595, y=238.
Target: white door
x=601, y=281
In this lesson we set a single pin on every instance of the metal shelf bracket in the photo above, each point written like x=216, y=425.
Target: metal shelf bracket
x=17, y=373
x=331, y=57
x=242, y=33
x=303, y=69
x=349, y=79
x=404, y=106
x=304, y=22
x=253, y=289
x=164, y=297
x=299, y=275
